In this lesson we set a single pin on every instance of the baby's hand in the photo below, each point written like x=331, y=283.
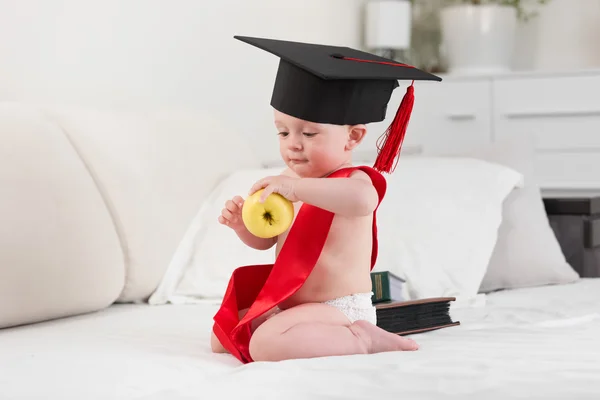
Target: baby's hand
x=231, y=215
x=284, y=185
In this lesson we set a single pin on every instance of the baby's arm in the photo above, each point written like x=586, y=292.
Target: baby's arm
x=354, y=196
x=231, y=216
x=253, y=241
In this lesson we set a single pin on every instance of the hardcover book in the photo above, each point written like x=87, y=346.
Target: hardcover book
x=386, y=287
x=416, y=316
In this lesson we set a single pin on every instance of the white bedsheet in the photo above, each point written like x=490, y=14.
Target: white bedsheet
x=541, y=343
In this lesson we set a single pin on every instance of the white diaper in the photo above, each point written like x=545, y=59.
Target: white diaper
x=356, y=307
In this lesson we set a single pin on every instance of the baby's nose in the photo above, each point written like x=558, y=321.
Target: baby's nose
x=296, y=144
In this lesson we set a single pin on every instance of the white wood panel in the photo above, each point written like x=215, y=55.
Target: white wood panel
x=452, y=115
x=561, y=112
x=562, y=115
x=556, y=133
x=547, y=95
x=575, y=170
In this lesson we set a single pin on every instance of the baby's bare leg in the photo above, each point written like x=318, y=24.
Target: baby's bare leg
x=319, y=330
x=216, y=345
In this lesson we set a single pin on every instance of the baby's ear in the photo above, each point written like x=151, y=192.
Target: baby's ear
x=356, y=133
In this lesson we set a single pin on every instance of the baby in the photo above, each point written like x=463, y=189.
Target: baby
x=332, y=313
x=319, y=123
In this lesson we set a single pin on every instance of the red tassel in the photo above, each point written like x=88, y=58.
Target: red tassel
x=394, y=135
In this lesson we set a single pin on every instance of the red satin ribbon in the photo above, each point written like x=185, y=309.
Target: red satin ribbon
x=259, y=288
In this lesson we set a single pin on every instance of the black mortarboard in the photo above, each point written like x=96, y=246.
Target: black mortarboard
x=342, y=86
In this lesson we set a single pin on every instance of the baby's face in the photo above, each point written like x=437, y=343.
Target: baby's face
x=314, y=150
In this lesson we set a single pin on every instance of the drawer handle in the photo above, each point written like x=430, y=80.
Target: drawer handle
x=581, y=149
x=552, y=114
x=461, y=116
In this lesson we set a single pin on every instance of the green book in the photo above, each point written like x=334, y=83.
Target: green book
x=386, y=287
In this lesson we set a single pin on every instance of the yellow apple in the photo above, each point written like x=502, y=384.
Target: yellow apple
x=268, y=219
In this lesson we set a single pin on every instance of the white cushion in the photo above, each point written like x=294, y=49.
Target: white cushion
x=527, y=252
x=210, y=251
x=154, y=171
x=439, y=222
x=59, y=251
x=437, y=229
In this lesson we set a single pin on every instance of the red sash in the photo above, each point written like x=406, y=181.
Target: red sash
x=262, y=287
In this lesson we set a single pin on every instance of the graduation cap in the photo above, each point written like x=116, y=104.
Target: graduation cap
x=342, y=86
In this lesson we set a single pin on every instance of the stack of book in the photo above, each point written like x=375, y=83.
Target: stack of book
x=403, y=317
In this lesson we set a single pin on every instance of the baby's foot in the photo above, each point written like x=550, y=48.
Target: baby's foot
x=379, y=340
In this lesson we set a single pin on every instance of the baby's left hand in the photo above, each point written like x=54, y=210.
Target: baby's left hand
x=284, y=185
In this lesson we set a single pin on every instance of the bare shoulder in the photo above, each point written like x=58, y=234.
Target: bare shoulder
x=360, y=174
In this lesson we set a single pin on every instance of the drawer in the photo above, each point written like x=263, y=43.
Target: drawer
x=567, y=170
x=539, y=97
x=452, y=115
x=560, y=113
x=576, y=223
x=446, y=115
x=577, y=243
x=573, y=134
x=592, y=232
x=572, y=203
x=584, y=209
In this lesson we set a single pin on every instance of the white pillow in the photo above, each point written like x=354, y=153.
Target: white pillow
x=527, y=252
x=210, y=252
x=437, y=229
x=438, y=223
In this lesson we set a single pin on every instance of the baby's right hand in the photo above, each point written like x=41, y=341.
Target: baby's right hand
x=231, y=215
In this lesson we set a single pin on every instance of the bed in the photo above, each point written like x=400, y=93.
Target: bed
x=537, y=343
x=471, y=226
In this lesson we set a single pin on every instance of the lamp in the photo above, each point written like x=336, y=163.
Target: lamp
x=388, y=27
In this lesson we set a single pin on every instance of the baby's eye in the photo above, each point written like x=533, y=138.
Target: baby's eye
x=308, y=134
x=284, y=134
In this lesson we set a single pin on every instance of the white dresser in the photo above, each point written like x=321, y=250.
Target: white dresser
x=559, y=111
